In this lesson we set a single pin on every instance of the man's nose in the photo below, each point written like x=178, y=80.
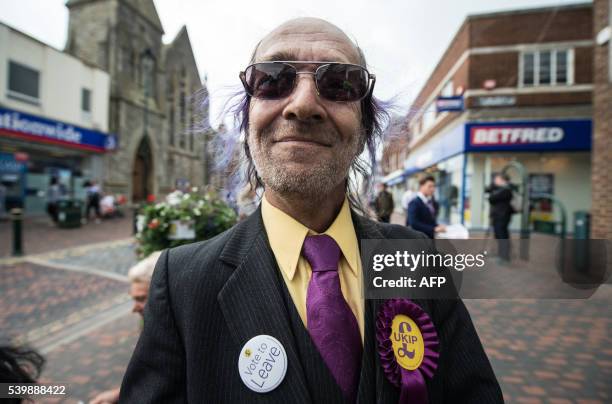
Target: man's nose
x=304, y=102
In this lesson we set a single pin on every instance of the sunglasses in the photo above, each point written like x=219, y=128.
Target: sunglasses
x=340, y=82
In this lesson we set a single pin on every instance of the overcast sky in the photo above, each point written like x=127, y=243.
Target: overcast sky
x=402, y=39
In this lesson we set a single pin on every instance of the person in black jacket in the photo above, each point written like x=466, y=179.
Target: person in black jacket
x=267, y=277
x=500, y=198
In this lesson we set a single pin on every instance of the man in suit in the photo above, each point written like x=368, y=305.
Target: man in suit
x=292, y=270
x=422, y=210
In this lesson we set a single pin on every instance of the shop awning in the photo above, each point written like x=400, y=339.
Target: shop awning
x=393, y=178
x=435, y=150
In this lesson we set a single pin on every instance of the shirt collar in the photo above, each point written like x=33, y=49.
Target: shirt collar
x=286, y=236
x=423, y=197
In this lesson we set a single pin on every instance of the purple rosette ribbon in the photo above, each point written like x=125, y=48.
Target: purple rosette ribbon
x=411, y=382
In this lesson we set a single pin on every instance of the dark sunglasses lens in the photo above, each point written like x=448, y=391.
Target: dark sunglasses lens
x=270, y=80
x=338, y=82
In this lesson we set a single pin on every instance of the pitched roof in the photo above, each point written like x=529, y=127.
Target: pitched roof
x=181, y=37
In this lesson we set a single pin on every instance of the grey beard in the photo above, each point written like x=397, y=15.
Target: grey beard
x=311, y=185
x=314, y=184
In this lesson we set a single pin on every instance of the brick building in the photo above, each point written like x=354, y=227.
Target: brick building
x=151, y=102
x=602, y=121
x=511, y=86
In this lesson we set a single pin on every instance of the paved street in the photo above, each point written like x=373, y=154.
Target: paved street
x=549, y=351
x=40, y=235
x=72, y=305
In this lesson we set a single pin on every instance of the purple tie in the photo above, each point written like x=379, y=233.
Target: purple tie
x=331, y=323
x=431, y=207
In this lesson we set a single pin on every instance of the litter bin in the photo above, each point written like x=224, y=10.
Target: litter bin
x=582, y=225
x=581, y=244
x=69, y=213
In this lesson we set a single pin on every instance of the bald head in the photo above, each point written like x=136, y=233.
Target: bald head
x=312, y=35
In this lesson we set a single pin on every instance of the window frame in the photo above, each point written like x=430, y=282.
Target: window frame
x=17, y=95
x=553, y=67
x=85, y=90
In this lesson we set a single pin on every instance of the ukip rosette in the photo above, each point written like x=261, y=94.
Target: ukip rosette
x=407, y=344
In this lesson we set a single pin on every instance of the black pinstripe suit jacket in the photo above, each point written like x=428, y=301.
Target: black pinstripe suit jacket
x=208, y=299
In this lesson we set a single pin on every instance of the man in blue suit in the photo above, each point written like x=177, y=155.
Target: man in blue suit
x=423, y=208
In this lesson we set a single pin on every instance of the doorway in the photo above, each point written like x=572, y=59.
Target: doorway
x=142, y=173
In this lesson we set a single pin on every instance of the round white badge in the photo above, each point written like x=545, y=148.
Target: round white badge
x=262, y=363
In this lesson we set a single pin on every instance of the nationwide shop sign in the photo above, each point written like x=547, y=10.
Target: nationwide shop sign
x=449, y=104
x=529, y=135
x=34, y=128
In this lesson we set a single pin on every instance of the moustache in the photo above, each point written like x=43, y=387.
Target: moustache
x=318, y=133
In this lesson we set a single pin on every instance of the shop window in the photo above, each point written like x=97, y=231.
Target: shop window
x=546, y=67
x=23, y=83
x=85, y=100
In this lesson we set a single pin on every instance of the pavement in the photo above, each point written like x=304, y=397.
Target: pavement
x=40, y=235
x=549, y=351
x=68, y=299
x=71, y=304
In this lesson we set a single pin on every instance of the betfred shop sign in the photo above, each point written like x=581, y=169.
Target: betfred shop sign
x=540, y=135
x=501, y=136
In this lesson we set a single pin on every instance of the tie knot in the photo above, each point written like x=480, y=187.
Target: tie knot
x=321, y=252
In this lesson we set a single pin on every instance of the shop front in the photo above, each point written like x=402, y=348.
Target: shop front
x=554, y=153
x=33, y=150
x=442, y=157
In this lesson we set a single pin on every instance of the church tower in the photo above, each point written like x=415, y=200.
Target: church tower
x=124, y=37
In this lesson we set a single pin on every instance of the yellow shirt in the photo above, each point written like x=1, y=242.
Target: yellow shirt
x=287, y=236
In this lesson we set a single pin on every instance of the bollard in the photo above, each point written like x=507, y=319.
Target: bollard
x=17, y=219
x=135, y=219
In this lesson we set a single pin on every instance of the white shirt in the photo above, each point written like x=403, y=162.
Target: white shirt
x=423, y=197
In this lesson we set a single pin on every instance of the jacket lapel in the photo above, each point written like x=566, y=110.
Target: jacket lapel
x=373, y=386
x=252, y=303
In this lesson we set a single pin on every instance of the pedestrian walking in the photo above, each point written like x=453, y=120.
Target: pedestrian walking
x=93, y=200
x=383, y=204
x=54, y=195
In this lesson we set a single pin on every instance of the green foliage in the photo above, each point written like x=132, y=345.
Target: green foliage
x=210, y=214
